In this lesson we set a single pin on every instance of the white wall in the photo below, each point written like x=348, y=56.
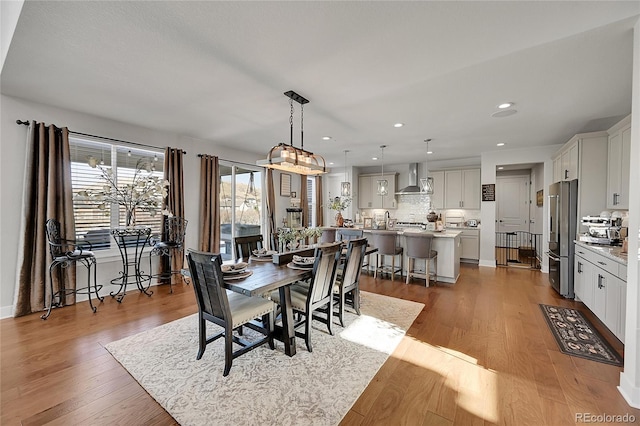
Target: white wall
x=12, y=158
x=490, y=161
x=9, y=14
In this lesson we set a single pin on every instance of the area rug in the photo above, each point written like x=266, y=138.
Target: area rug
x=266, y=387
x=577, y=336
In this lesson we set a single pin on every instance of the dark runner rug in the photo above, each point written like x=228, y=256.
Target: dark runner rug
x=576, y=336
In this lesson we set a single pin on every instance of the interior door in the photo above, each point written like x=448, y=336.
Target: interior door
x=512, y=195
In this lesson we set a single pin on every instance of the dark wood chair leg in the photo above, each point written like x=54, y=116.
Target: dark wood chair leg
x=228, y=351
x=307, y=334
x=202, y=336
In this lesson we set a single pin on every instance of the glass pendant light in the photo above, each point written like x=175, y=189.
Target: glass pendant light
x=426, y=184
x=345, y=187
x=383, y=184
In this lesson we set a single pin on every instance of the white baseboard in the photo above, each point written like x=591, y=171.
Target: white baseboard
x=6, y=311
x=629, y=392
x=487, y=263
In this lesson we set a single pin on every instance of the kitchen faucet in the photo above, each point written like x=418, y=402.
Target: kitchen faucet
x=387, y=216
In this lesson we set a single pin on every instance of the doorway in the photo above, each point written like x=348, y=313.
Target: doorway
x=516, y=244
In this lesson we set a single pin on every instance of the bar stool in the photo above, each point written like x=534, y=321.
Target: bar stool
x=385, y=242
x=328, y=235
x=419, y=247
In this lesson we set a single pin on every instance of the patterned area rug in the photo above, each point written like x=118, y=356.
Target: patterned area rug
x=576, y=335
x=264, y=386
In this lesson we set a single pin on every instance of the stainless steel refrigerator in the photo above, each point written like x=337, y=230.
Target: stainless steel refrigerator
x=563, y=222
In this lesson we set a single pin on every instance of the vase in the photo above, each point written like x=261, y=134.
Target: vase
x=130, y=218
x=339, y=219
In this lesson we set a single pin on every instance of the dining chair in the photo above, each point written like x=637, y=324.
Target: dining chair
x=317, y=295
x=227, y=309
x=328, y=235
x=246, y=245
x=170, y=245
x=347, y=287
x=65, y=253
x=419, y=246
x=346, y=234
x=385, y=242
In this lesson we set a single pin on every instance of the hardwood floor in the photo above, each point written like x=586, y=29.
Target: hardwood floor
x=479, y=353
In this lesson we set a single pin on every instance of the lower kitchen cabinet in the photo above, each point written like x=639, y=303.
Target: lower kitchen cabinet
x=600, y=283
x=470, y=245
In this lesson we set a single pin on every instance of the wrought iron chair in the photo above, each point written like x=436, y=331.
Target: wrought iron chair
x=171, y=244
x=317, y=296
x=245, y=245
x=227, y=309
x=65, y=253
x=347, y=287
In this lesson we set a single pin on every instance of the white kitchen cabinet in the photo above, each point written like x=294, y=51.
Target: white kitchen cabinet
x=591, y=171
x=470, y=244
x=462, y=189
x=437, y=198
x=600, y=283
x=618, y=162
x=368, y=188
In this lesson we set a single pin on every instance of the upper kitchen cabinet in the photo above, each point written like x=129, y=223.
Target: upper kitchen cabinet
x=618, y=165
x=437, y=198
x=584, y=157
x=462, y=189
x=368, y=188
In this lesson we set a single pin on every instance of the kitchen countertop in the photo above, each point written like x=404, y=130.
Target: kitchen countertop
x=449, y=233
x=612, y=252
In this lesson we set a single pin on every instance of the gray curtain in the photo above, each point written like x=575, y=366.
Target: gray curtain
x=319, y=202
x=304, y=201
x=47, y=195
x=209, y=204
x=173, y=172
x=271, y=214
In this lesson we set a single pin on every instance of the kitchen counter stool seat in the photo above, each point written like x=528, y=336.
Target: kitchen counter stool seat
x=419, y=247
x=385, y=242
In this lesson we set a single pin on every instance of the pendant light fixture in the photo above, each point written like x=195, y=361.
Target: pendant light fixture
x=345, y=187
x=289, y=158
x=426, y=184
x=383, y=184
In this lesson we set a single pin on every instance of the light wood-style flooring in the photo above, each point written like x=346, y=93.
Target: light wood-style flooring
x=479, y=353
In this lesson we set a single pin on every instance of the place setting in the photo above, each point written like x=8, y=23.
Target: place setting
x=262, y=255
x=302, y=262
x=235, y=271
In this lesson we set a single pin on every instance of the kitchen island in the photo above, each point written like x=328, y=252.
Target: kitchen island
x=446, y=243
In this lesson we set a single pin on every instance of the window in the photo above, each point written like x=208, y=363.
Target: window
x=93, y=221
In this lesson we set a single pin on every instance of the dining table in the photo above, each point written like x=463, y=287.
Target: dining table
x=266, y=277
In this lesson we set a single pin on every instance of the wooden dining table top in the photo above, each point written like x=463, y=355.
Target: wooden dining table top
x=266, y=277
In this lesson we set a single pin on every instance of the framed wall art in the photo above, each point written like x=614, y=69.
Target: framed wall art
x=285, y=185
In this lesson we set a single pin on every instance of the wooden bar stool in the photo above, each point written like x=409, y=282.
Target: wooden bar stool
x=385, y=242
x=419, y=247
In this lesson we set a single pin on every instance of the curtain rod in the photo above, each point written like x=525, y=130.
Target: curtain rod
x=26, y=123
x=232, y=161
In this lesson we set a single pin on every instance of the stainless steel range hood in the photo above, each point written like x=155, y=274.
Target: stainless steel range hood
x=413, y=187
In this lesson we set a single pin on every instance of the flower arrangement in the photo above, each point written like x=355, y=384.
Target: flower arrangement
x=340, y=203
x=145, y=192
x=290, y=237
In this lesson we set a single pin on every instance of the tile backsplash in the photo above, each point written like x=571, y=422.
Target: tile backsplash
x=414, y=208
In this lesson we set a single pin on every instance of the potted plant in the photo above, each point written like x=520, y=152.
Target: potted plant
x=339, y=204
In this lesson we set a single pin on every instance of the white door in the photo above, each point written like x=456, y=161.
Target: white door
x=512, y=195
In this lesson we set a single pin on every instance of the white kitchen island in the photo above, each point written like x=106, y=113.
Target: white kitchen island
x=447, y=244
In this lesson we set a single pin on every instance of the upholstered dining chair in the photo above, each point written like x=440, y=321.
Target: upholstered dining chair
x=65, y=253
x=227, y=309
x=245, y=245
x=317, y=295
x=170, y=245
x=347, y=286
x=385, y=242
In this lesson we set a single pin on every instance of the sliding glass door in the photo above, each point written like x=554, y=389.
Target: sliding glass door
x=241, y=204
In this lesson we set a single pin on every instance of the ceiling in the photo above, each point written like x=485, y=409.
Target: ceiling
x=218, y=70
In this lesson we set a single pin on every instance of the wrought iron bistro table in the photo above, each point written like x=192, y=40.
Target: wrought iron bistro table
x=266, y=277
x=131, y=241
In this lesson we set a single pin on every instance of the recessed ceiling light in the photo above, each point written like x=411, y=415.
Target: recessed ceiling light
x=331, y=163
x=326, y=138
x=374, y=158
x=500, y=144
x=505, y=105
x=500, y=168
x=429, y=152
x=504, y=113
x=398, y=125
